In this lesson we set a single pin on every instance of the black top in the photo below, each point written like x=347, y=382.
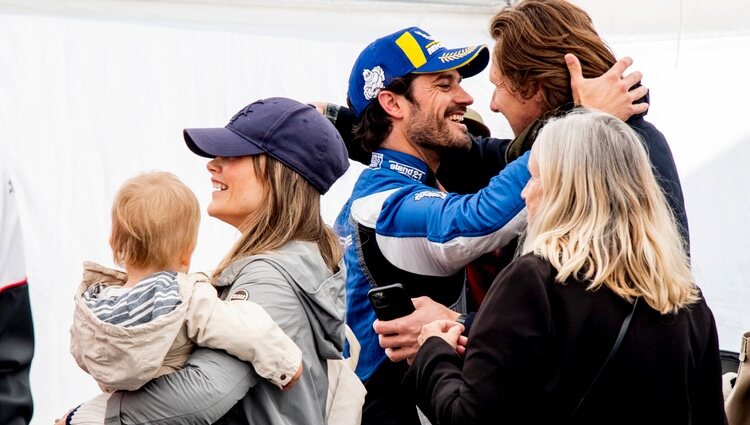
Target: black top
x=16, y=351
x=536, y=345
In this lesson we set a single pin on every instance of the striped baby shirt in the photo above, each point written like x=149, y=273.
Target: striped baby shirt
x=154, y=296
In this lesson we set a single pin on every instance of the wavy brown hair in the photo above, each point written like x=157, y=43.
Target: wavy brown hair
x=531, y=40
x=291, y=211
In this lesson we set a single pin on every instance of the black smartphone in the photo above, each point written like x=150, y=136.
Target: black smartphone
x=390, y=302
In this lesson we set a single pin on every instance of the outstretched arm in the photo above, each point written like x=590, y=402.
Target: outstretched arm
x=611, y=92
x=445, y=231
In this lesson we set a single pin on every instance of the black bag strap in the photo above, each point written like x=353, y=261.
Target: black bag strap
x=615, y=347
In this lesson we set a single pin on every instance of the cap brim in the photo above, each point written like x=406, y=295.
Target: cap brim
x=468, y=61
x=213, y=142
x=476, y=128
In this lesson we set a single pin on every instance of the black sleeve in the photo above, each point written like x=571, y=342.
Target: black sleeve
x=16, y=351
x=468, y=321
x=707, y=397
x=665, y=171
x=499, y=375
x=466, y=172
x=344, y=119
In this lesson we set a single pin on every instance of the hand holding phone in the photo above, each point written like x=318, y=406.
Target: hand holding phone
x=390, y=302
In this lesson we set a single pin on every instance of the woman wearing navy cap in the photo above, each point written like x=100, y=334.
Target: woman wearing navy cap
x=269, y=166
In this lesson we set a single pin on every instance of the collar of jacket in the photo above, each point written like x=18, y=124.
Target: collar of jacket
x=525, y=140
x=402, y=163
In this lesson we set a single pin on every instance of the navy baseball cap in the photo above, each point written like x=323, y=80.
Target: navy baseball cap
x=294, y=133
x=410, y=50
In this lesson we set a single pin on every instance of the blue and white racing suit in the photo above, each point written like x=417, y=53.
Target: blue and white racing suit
x=399, y=228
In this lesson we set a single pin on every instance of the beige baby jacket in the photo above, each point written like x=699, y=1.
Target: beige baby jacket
x=120, y=358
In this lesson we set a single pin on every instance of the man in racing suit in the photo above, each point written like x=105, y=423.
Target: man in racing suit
x=398, y=227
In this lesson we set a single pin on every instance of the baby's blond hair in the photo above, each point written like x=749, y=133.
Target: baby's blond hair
x=155, y=219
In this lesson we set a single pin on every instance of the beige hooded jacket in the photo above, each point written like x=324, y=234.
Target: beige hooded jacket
x=121, y=358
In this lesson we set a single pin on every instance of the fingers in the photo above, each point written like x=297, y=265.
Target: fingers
x=450, y=325
x=294, y=379
x=462, y=340
x=640, y=108
x=574, y=67
x=437, y=326
x=619, y=68
x=455, y=332
x=638, y=92
x=401, y=353
x=632, y=79
x=395, y=340
x=388, y=327
x=378, y=326
x=421, y=301
x=576, y=75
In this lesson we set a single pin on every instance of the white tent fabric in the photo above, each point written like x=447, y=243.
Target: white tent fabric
x=94, y=92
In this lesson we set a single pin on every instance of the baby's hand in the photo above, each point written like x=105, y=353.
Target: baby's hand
x=63, y=419
x=294, y=379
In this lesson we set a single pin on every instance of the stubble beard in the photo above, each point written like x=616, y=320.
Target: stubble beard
x=434, y=134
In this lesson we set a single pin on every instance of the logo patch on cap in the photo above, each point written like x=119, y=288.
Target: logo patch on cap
x=373, y=82
x=452, y=56
x=240, y=295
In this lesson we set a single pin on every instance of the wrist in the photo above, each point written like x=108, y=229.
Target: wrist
x=460, y=319
x=331, y=112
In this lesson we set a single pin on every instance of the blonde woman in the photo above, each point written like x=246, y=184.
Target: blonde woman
x=600, y=321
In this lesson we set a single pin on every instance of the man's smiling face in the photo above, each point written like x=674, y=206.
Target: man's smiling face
x=436, y=112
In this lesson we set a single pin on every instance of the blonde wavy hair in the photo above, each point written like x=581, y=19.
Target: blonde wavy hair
x=155, y=219
x=602, y=217
x=291, y=211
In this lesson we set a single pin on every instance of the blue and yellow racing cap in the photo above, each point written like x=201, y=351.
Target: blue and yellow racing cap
x=411, y=50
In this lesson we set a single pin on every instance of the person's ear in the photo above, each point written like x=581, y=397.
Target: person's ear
x=185, y=257
x=538, y=96
x=391, y=103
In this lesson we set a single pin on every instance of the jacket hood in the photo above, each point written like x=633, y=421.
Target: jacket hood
x=94, y=273
x=321, y=292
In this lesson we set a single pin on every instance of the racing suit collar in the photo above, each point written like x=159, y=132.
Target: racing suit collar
x=405, y=164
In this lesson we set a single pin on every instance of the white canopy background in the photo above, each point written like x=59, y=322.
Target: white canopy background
x=94, y=92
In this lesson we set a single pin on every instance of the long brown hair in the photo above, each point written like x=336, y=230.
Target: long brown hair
x=291, y=211
x=531, y=40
